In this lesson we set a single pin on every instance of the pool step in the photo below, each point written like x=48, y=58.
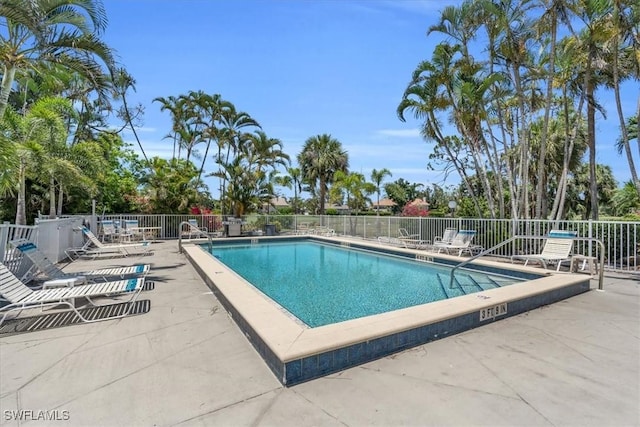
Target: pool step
x=469, y=283
x=466, y=284
x=451, y=292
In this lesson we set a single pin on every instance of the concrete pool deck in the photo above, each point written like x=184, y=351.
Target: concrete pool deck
x=185, y=362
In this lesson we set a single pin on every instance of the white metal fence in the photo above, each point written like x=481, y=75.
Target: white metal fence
x=621, y=239
x=52, y=237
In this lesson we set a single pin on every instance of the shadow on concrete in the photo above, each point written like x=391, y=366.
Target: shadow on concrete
x=68, y=318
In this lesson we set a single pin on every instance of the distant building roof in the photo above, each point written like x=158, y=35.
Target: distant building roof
x=337, y=207
x=279, y=202
x=385, y=203
x=420, y=203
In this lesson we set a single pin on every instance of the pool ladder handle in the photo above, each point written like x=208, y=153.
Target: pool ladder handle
x=514, y=238
x=210, y=244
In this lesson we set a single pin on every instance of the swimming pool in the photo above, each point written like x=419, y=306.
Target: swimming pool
x=297, y=353
x=322, y=284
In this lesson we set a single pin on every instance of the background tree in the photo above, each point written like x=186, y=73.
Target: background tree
x=42, y=126
x=355, y=190
x=321, y=157
x=625, y=200
x=402, y=192
x=64, y=33
x=171, y=185
x=377, y=176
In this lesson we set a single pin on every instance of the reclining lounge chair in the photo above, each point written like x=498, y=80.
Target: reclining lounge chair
x=21, y=297
x=460, y=243
x=557, y=249
x=94, y=248
x=53, y=272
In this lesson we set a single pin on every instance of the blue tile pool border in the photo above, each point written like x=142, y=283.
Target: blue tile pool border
x=303, y=369
x=322, y=364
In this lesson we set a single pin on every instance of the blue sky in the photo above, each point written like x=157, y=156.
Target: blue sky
x=300, y=68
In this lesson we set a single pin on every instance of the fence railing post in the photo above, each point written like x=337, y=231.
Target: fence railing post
x=4, y=239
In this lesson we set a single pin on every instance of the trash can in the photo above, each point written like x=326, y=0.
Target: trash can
x=270, y=229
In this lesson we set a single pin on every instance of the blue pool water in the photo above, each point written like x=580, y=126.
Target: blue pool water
x=322, y=284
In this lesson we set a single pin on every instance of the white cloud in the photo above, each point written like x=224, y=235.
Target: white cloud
x=152, y=148
x=127, y=129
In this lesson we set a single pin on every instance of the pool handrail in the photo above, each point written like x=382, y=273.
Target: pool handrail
x=210, y=244
x=514, y=238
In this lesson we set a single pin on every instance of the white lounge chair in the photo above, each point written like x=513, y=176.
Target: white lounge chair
x=404, y=243
x=557, y=249
x=447, y=236
x=53, y=272
x=94, y=248
x=20, y=297
x=460, y=243
x=404, y=234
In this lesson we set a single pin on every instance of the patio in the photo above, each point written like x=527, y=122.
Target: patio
x=183, y=361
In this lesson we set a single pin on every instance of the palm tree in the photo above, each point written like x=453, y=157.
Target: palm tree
x=266, y=152
x=62, y=32
x=594, y=14
x=625, y=199
x=625, y=64
x=231, y=136
x=354, y=188
x=122, y=82
x=554, y=11
x=41, y=126
x=321, y=157
x=377, y=176
x=292, y=180
x=177, y=110
x=171, y=185
x=209, y=111
x=402, y=192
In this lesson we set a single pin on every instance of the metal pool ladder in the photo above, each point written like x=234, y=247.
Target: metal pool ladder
x=210, y=240
x=512, y=239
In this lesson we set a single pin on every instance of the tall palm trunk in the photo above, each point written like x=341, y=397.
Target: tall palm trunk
x=591, y=133
x=52, y=197
x=616, y=91
x=21, y=216
x=323, y=192
x=523, y=141
x=7, y=81
x=541, y=210
x=557, y=211
x=60, y=200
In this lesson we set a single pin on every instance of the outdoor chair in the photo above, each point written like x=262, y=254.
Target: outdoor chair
x=52, y=272
x=447, y=236
x=303, y=228
x=404, y=234
x=460, y=243
x=20, y=297
x=94, y=248
x=109, y=231
x=557, y=249
x=404, y=243
x=324, y=231
x=132, y=229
